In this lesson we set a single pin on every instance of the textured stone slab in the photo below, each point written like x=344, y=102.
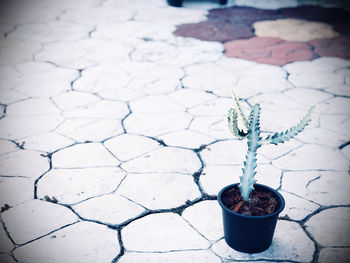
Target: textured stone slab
x=17, y=127
x=294, y=29
x=200, y=256
x=32, y=107
x=339, y=123
x=297, y=208
x=102, y=109
x=334, y=47
x=283, y=246
x=186, y=138
x=82, y=130
x=322, y=137
x=318, y=186
x=5, y=243
x=83, y=155
x=100, y=244
x=275, y=100
x=36, y=218
x=15, y=190
x=307, y=97
x=70, y=186
x=206, y=218
x=316, y=80
x=182, y=161
x=42, y=88
x=214, y=107
x=330, y=227
x=189, y=98
x=213, y=126
x=47, y=142
x=340, y=255
x=155, y=124
x=341, y=90
x=162, y=233
x=7, y=147
x=160, y=190
x=336, y=105
x=73, y=99
x=24, y=163
x=313, y=157
x=127, y=146
x=268, y=50
x=110, y=209
x=6, y=258
x=157, y=103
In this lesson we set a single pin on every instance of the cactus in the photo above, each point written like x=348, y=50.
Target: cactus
x=255, y=141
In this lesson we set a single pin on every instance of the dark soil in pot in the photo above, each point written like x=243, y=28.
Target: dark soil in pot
x=251, y=227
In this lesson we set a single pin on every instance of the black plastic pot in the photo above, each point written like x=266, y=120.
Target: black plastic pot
x=250, y=234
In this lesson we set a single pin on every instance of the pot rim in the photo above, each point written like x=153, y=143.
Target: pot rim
x=279, y=210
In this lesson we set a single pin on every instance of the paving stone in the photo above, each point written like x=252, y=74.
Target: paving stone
x=120, y=93
x=214, y=107
x=216, y=177
x=334, y=47
x=283, y=246
x=158, y=103
x=346, y=151
x=293, y=29
x=160, y=191
x=206, y=218
x=70, y=186
x=161, y=233
x=15, y=52
x=100, y=244
x=318, y=186
x=267, y=4
x=32, y=107
x=273, y=101
x=17, y=127
x=268, y=50
x=110, y=209
x=212, y=126
x=330, y=227
x=127, y=146
x=11, y=96
x=307, y=97
x=6, y=258
x=317, y=80
x=15, y=190
x=322, y=137
x=42, y=87
x=73, y=99
x=155, y=124
x=340, y=255
x=200, y=256
x=83, y=155
x=7, y=147
x=338, y=123
x=154, y=85
x=313, y=157
x=189, y=98
x=35, y=218
x=47, y=142
x=36, y=70
x=86, y=129
x=5, y=243
x=297, y=208
x=231, y=152
x=249, y=86
x=101, y=109
x=341, y=90
x=186, y=138
x=24, y=163
x=336, y=105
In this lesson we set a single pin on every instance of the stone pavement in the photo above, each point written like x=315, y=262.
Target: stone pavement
x=114, y=143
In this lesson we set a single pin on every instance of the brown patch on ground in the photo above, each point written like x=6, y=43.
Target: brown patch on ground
x=268, y=50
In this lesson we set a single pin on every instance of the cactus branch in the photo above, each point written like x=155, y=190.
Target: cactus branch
x=233, y=124
x=254, y=142
x=240, y=110
x=281, y=137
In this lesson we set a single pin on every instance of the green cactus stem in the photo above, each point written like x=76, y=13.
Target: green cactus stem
x=247, y=180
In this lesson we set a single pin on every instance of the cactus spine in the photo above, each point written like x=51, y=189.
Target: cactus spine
x=255, y=141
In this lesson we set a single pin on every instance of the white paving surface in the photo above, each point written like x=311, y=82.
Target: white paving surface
x=114, y=143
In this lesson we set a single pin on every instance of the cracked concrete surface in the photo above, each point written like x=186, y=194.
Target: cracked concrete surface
x=113, y=132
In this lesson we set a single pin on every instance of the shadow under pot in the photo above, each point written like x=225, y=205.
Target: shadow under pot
x=246, y=233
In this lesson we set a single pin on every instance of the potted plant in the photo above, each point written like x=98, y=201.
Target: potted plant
x=250, y=210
